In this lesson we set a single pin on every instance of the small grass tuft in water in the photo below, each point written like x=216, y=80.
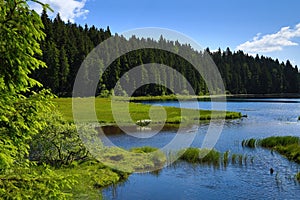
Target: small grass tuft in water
x=234, y=158
x=251, y=143
x=298, y=176
x=226, y=158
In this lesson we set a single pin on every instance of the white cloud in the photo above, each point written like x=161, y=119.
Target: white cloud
x=68, y=9
x=272, y=42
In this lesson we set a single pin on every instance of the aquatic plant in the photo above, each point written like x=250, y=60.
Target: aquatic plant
x=233, y=158
x=210, y=157
x=251, y=143
x=226, y=158
x=298, y=176
x=196, y=155
x=240, y=159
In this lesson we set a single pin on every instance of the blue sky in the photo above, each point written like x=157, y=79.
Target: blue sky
x=265, y=27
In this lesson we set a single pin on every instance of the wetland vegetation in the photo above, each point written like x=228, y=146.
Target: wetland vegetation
x=287, y=146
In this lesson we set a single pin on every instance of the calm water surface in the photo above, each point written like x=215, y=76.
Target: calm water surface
x=266, y=117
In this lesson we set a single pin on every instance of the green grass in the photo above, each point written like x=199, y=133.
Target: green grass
x=137, y=112
x=140, y=159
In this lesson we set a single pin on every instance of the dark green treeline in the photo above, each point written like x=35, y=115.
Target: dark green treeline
x=67, y=45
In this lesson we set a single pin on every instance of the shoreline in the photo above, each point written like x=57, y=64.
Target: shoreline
x=208, y=97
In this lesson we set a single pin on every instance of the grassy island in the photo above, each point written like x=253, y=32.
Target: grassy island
x=140, y=111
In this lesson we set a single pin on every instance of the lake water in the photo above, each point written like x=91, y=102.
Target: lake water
x=266, y=117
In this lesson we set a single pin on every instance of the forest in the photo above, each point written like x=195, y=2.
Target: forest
x=66, y=45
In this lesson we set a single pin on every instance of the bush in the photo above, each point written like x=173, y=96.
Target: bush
x=58, y=143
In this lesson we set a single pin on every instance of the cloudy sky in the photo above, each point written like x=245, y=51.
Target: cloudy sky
x=268, y=27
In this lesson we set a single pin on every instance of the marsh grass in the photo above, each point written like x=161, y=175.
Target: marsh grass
x=209, y=157
x=226, y=158
x=251, y=143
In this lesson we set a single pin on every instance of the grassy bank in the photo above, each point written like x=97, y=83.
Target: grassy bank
x=139, y=111
x=89, y=177
x=288, y=146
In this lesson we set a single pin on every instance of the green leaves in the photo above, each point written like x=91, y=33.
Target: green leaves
x=20, y=34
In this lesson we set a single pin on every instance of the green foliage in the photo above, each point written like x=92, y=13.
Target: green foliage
x=20, y=34
x=21, y=118
x=21, y=109
x=35, y=183
x=58, y=143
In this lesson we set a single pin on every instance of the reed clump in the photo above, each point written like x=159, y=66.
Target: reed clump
x=209, y=157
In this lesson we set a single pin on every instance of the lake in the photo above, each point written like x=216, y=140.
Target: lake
x=252, y=180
